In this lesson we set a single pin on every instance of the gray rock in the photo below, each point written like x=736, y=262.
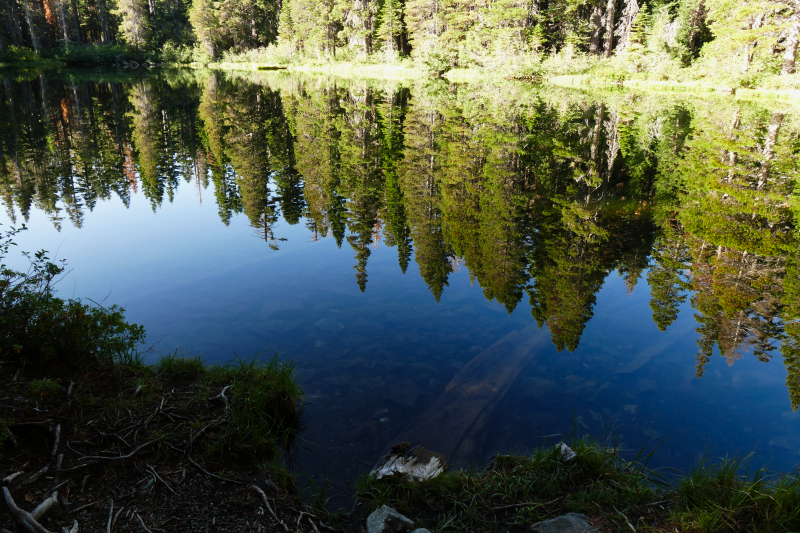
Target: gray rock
x=569, y=523
x=417, y=463
x=387, y=520
x=567, y=453
x=421, y=530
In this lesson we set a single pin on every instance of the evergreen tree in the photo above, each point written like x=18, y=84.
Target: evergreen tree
x=390, y=26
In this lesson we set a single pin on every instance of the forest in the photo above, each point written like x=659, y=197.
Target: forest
x=540, y=200
x=741, y=38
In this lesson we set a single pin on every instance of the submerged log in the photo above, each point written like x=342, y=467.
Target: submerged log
x=453, y=425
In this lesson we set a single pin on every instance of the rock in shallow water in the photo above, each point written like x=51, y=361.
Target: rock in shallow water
x=387, y=520
x=569, y=523
x=417, y=463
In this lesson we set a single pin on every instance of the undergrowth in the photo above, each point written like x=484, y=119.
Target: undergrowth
x=618, y=495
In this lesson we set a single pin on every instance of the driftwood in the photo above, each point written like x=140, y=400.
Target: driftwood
x=23, y=518
x=73, y=529
x=110, y=515
x=11, y=477
x=153, y=470
x=139, y=518
x=45, y=506
x=454, y=424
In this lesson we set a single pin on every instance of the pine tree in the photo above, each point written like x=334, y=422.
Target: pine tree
x=136, y=27
x=390, y=26
x=206, y=26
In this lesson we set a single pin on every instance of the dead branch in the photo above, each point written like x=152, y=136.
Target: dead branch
x=121, y=457
x=56, y=438
x=110, y=515
x=74, y=528
x=36, y=476
x=23, y=518
x=153, y=470
x=269, y=507
x=82, y=507
x=142, y=522
x=206, y=472
x=11, y=477
x=44, y=506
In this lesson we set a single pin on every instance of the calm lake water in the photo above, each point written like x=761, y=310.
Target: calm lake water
x=481, y=269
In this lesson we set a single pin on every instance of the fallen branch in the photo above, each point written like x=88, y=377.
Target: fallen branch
x=121, y=457
x=142, y=522
x=74, y=528
x=206, y=472
x=44, y=506
x=23, y=518
x=269, y=507
x=526, y=504
x=56, y=438
x=153, y=470
x=82, y=507
x=11, y=477
x=36, y=476
x=110, y=516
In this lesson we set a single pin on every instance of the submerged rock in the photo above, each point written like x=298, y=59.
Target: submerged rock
x=417, y=463
x=421, y=530
x=569, y=523
x=387, y=520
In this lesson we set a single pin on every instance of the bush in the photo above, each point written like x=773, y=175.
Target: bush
x=39, y=327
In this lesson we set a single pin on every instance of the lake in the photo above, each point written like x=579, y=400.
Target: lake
x=477, y=268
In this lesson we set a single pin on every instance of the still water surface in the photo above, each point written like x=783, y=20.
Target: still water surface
x=478, y=269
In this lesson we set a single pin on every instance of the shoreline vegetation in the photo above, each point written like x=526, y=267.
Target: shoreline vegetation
x=94, y=438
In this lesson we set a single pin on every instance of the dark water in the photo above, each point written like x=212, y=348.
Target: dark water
x=589, y=262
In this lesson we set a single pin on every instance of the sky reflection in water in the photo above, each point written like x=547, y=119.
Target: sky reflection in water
x=228, y=215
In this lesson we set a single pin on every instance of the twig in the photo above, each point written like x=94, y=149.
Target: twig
x=269, y=507
x=56, y=438
x=626, y=519
x=56, y=478
x=82, y=507
x=69, y=390
x=527, y=504
x=110, y=515
x=22, y=518
x=36, y=476
x=326, y=527
x=102, y=458
x=73, y=530
x=142, y=522
x=153, y=470
x=117, y=516
x=137, y=391
x=200, y=432
x=658, y=503
x=44, y=506
x=206, y=472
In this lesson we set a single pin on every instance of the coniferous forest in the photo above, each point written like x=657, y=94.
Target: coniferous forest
x=740, y=41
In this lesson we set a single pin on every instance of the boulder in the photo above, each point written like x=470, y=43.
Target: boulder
x=387, y=520
x=569, y=523
x=417, y=463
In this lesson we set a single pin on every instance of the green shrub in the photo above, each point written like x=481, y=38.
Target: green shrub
x=40, y=327
x=43, y=389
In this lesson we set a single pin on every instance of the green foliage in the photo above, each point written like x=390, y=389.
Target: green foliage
x=43, y=389
x=598, y=478
x=262, y=404
x=720, y=497
x=37, y=326
x=176, y=366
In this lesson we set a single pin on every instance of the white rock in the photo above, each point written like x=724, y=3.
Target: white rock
x=567, y=453
x=568, y=523
x=417, y=463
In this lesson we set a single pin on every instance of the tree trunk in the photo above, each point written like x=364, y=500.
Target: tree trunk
x=596, y=22
x=611, y=9
x=750, y=49
x=16, y=27
x=103, y=26
x=62, y=20
x=76, y=21
x=31, y=27
x=790, y=54
x=769, y=149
